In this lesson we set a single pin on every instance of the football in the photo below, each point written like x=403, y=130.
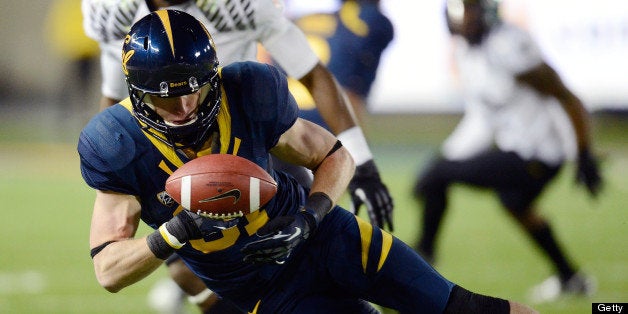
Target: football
x=221, y=186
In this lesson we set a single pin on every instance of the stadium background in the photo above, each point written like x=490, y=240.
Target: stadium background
x=44, y=219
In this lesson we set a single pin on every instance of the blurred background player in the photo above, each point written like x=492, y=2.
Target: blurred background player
x=66, y=38
x=514, y=137
x=350, y=38
x=237, y=28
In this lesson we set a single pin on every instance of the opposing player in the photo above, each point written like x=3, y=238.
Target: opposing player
x=518, y=103
x=298, y=254
x=238, y=27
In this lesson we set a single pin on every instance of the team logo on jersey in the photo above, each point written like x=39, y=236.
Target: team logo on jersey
x=165, y=198
x=235, y=193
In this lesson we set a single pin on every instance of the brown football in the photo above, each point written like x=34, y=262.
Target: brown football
x=221, y=186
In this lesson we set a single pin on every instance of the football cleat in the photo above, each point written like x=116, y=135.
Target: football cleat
x=553, y=288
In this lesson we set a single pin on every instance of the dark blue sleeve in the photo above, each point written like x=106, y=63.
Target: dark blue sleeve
x=106, y=149
x=261, y=91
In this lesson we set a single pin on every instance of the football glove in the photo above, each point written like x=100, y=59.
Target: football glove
x=367, y=188
x=181, y=228
x=278, y=237
x=588, y=173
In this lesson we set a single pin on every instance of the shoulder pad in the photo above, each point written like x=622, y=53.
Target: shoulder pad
x=107, y=142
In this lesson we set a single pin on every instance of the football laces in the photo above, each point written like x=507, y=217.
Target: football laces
x=222, y=216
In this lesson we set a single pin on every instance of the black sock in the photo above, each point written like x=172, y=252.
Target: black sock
x=544, y=237
x=432, y=216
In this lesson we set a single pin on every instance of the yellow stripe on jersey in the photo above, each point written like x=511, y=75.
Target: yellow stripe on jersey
x=386, y=245
x=165, y=21
x=224, y=120
x=256, y=220
x=366, y=234
x=165, y=168
x=256, y=307
x=350, y=17
x=229, y=237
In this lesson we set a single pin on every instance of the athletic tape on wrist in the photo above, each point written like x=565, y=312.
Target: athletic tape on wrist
x=170, y=239
x=318, y=204
x=158, y=245
x=200, y=297
x=353, y=139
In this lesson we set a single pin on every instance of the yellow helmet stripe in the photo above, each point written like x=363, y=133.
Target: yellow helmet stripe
x=165, y=21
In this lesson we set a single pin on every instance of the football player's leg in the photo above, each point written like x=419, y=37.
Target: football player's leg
x=430, y=190
x=371, y=264
x=492, y=169
x=381, y=269
x=519, y=203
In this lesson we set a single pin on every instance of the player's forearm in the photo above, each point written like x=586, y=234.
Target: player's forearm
x=579, y=119
x=333, y=175
x=331, y=101
x=124, y=263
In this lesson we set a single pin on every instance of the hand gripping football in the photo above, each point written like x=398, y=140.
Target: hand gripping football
x=221, y=186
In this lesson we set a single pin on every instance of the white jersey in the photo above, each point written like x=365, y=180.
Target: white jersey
x=236, y=26
x=502, y=111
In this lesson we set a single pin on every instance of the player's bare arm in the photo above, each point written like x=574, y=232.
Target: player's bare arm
x=126, y=260
x=330, y=99
x=544, y=79
x=308, y=144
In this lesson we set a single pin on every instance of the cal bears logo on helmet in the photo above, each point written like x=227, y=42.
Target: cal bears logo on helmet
x=126, y=55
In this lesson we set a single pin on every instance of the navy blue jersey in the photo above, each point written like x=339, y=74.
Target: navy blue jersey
x=344, y=263
x=116, y=155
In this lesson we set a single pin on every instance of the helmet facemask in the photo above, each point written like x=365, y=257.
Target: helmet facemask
x=169, y=53
x=190, y=135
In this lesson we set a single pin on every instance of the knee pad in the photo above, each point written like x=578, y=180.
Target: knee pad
x=464, y=301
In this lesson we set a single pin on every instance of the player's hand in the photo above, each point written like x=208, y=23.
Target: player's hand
x=173, y=234
x=188, y=225
x=185, y=226
x=588, y=173
x=278, y=237
x=367, y=188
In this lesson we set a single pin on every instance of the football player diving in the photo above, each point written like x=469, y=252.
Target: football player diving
x=238, y=27
x=300, y=253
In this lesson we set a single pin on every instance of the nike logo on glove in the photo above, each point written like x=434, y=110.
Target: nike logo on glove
x=289, y=236
x=235, y=193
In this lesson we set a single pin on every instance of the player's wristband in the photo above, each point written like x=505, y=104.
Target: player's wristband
x=318, y=204
x=158, y=244
x=354, y=141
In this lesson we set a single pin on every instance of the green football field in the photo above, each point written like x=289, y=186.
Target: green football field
x=44, y=258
